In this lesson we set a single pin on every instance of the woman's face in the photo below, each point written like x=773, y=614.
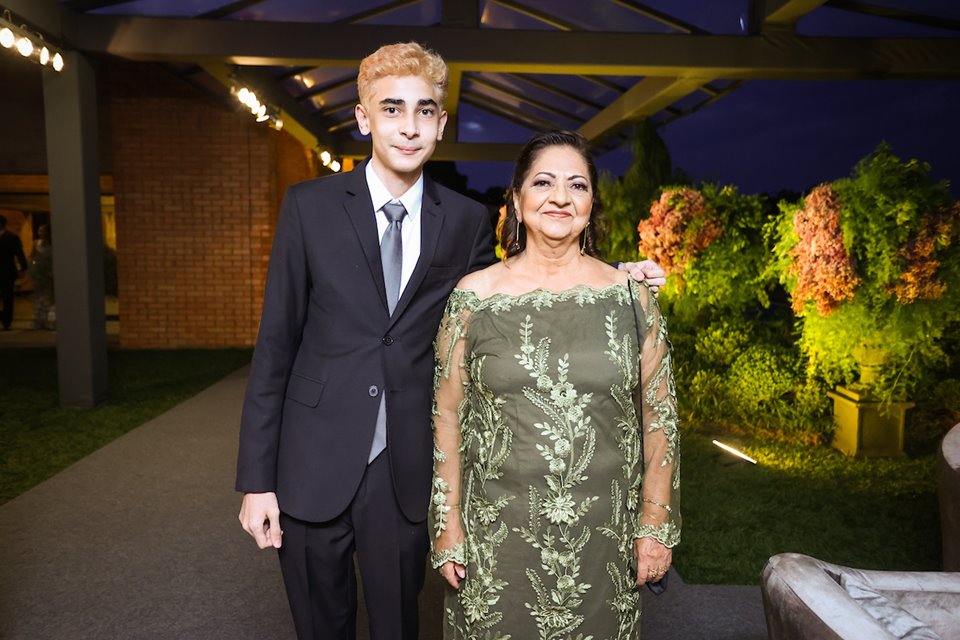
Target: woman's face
x=556, y=196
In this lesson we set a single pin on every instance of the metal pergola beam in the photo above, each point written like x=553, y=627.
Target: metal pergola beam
x=643, y=99
x=787, y=12
x=777, y=55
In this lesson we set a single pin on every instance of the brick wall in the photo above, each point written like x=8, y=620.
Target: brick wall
x=197, y=190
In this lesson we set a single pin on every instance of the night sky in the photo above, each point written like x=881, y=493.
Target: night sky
x=771, y=135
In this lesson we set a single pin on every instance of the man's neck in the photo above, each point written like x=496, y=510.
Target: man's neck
x=396, y=184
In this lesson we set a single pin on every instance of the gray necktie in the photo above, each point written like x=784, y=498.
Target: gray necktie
x=391, y=254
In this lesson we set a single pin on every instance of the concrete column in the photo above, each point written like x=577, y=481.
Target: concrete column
x=70, y=107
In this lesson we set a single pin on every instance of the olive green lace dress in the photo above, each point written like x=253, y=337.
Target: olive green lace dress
x=539, y=484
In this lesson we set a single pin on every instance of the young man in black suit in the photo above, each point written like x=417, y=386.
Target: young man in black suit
x=335, y=440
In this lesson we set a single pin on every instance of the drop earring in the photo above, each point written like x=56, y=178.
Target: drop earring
x=515, y=245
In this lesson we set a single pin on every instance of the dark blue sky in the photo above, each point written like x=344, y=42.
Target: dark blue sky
x=770, y=135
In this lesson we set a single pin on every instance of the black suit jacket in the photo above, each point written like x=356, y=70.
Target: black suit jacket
x=327, y=347
x=11, y=255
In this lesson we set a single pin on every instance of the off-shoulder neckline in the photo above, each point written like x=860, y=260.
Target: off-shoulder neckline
x=539, y=292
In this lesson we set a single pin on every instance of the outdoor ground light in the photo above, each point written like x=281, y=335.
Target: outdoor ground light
x=735, y=452
x=28, y=43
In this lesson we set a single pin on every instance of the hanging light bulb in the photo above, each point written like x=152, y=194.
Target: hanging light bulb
x=24, y=46
x=7, y=38
x=57, y=62
x=335, y=166
x=242, y=95
x=325, y=158
x=278, y=125
x=44, y=55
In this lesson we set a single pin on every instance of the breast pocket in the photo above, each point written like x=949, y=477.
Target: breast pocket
x=304, y=390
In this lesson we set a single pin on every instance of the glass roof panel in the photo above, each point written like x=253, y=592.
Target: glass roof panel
x=424, y=13
x=306, y=10
x=579, y=86
x=720, y=17
x=344, y=97
x=162, y=8
x=835, y=22
x=537, y=114
x=321, y=77
x=497, y=16
x=537, y=93
x=477, y=125
x=601, y=15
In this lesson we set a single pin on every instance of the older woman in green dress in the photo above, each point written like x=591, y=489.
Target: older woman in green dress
x=543, y=495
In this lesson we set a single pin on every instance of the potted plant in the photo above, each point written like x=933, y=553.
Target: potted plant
x=872, y=263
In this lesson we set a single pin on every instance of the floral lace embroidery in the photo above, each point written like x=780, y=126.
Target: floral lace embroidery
x=554, y=528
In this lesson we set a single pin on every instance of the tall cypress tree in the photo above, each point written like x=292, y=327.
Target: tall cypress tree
x=627, y=200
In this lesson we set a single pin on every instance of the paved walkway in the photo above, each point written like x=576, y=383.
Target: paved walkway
x=141, y=540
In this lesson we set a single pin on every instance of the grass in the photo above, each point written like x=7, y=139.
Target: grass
x=865, y=513
x=870, y=514
x=39, y=439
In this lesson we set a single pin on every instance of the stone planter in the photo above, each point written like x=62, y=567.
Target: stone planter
x=867, y=427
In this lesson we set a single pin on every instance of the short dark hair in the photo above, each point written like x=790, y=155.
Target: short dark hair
x=513, y=237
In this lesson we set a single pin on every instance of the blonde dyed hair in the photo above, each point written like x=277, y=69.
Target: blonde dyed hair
x=402, y=59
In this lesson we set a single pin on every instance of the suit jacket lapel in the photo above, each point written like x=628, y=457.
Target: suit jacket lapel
x=431, y=222
x=359, y=208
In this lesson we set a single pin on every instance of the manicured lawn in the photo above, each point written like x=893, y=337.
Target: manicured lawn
x=39, y=439
x=871, y=514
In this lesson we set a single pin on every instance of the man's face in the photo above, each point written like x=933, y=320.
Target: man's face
x=405, y=121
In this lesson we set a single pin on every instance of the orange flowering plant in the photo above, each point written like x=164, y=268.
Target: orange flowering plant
x=872, y=263
x=709, y=241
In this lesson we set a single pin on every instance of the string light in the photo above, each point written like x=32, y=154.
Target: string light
x=260, y=110
x=327, y=159
x=28, y=43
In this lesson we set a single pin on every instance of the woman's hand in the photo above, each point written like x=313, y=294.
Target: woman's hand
x=653, y=559
x=453, y=573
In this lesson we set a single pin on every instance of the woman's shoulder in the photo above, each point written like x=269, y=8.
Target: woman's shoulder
x=484, y=282
x=606, y=275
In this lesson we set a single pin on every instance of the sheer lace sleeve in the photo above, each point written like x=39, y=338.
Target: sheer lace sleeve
x=657, y=399
x=450, y=380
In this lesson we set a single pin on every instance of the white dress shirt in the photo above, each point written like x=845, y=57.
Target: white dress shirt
x=409, y=228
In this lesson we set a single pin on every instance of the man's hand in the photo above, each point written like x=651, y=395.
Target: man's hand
x=647, y=271
x=260, y=517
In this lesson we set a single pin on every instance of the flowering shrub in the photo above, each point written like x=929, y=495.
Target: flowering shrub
x=824, y=270
x=919, y=257
x=679, y=228
x=872, y=261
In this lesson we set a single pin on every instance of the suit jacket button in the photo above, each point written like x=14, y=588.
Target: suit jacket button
x=373, y=391
x=388, y=340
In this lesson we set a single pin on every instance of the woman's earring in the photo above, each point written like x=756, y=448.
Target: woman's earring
x=515, y=245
